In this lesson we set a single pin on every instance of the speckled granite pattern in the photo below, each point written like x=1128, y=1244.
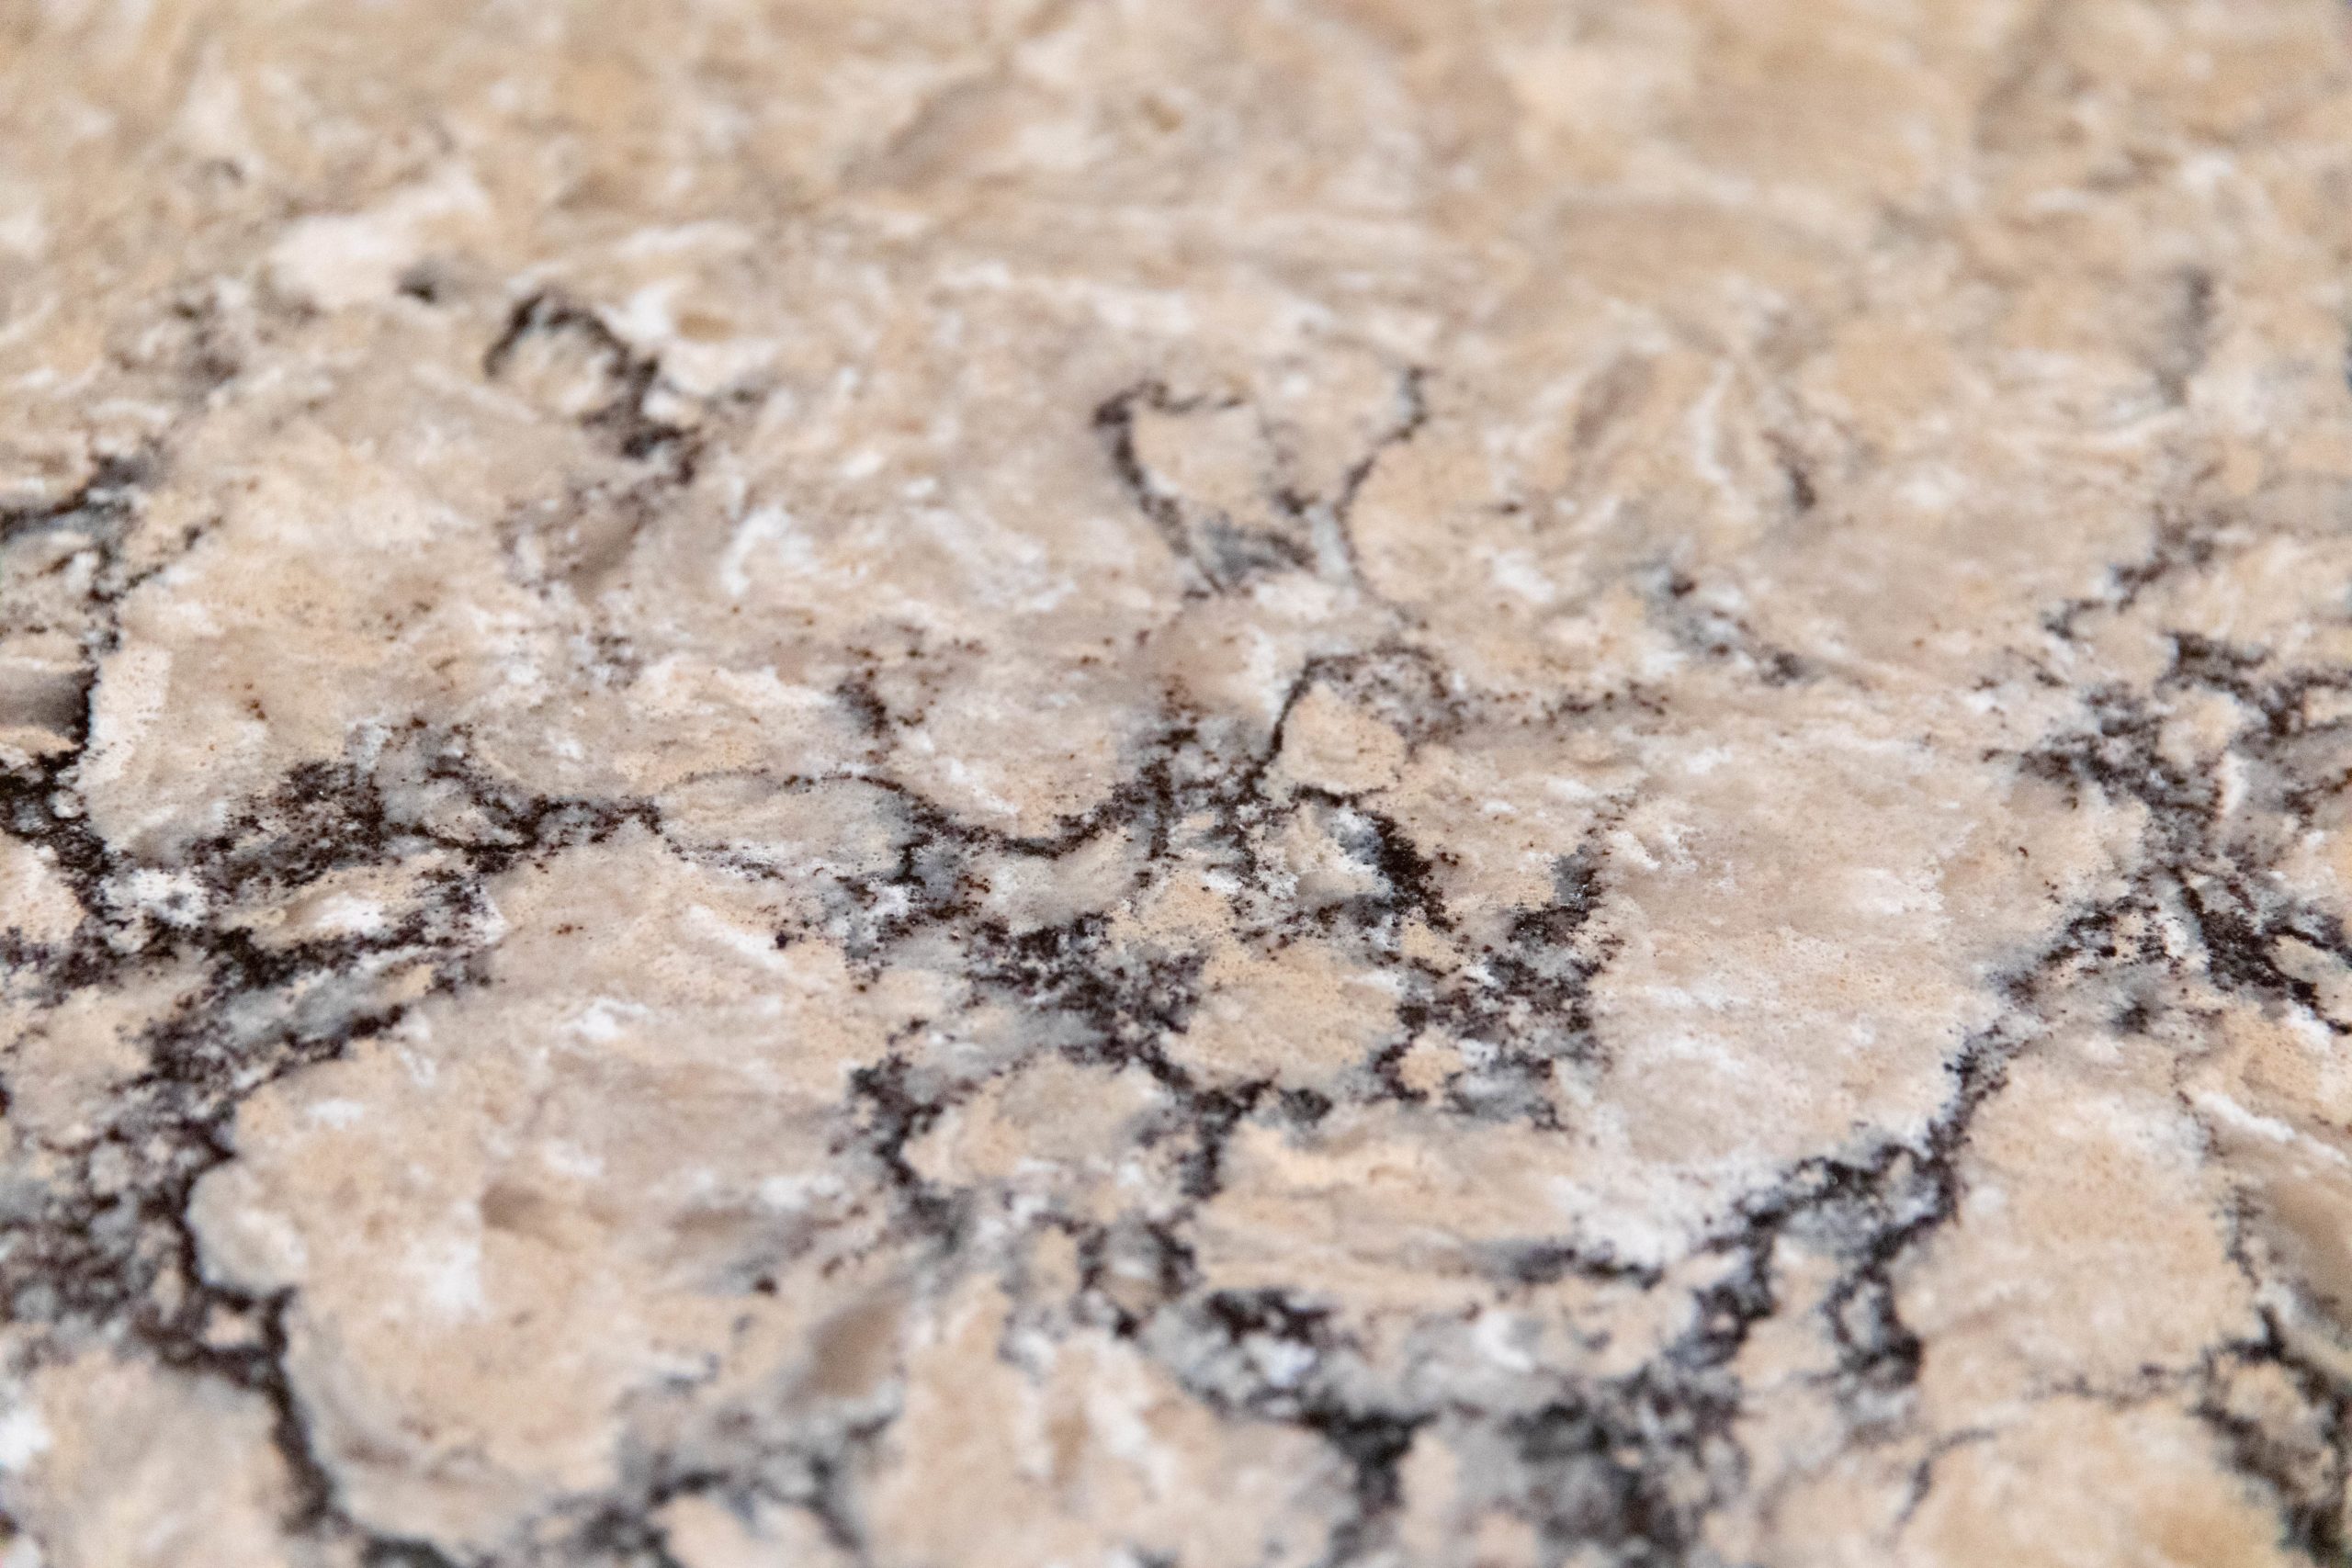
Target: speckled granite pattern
x=1171, y=784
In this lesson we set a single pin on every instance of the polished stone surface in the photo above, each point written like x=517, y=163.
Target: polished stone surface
x=1119, y=782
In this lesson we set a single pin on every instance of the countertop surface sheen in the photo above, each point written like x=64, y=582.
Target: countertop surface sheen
x=1175, y=784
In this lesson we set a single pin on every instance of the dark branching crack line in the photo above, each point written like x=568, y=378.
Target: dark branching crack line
x=1225, y=553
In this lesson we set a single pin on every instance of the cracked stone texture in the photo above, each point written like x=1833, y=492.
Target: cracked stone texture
x=1251, y=781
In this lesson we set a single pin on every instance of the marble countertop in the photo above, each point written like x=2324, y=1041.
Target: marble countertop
x=1118, y=783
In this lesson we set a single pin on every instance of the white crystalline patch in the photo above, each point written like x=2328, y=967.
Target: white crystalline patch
x=2232, y=775
x=598, y=1023
x=570, y=1159
x=24, y=1436
x=786, y=1193
x=243, y=1237
x=337, y=1114
x=1116, y=1400
x=1706, y=434
x=1631, y=849
x=448, y=1269
x=601, y=1020
x=174, y=897
x=970, y=780
x=754, y=946
x=1932, y=489
x=1515, y=572
x=2222, y=1107
x=646, y=315
x=129, y=699
x=1497, y=1335
x=340, y=259
x=1877, y=891
x=762, y=527
x=1282, y=1362
x=701, y=362
x=348, y=914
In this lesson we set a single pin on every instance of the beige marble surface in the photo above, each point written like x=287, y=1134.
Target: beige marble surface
x=1175, y=783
